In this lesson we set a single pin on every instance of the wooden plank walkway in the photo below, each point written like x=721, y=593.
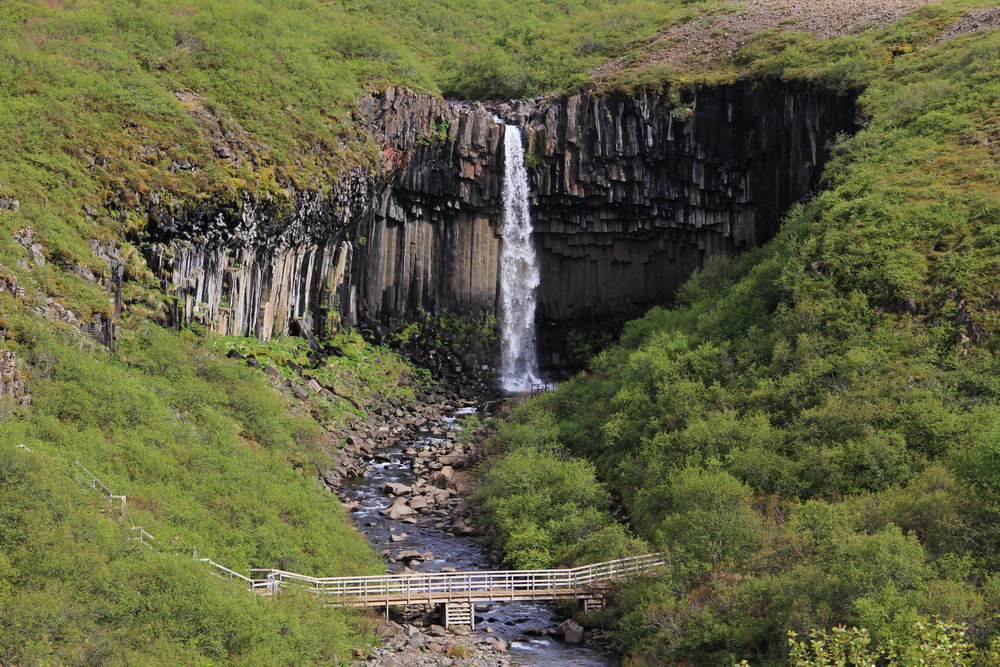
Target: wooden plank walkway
x=580, y=583
x=459, y=589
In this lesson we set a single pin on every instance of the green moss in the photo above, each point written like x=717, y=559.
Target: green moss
x=365, y=374
x=471, y=336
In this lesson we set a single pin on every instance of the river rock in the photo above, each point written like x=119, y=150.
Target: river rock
x=398, y=509
x=396, y=489
x=410, y=556
x=454, y=460
x=442, y=477
x=572, y=631
x=498, y=643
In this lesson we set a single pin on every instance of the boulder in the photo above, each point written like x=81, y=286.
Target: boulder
x=398, y=509
x=443, y=477
x=410, y=556
x=498, y=643
x=572, y=631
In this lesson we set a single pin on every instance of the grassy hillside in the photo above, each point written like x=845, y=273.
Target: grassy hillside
x=75, y=592
x=213, y=460
x=811, y=433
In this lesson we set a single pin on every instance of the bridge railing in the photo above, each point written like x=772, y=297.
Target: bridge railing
x=454, y=585
x=541, y=584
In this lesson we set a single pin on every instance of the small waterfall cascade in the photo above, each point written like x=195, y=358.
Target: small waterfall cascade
x=519, y=273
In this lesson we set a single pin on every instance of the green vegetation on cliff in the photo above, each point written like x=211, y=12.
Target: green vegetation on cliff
x=811, y=433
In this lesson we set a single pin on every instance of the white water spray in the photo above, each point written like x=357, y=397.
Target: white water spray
x=519, y=274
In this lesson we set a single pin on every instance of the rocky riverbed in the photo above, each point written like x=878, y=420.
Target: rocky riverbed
x=407, y=484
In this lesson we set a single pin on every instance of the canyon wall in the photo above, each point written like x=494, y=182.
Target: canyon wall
x=630, y=194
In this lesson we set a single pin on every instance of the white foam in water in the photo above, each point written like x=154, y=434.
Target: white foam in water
x=519, y=274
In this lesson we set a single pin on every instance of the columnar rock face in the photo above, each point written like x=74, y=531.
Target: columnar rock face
x=252, y=269
x=630, y=194
x=431, y=239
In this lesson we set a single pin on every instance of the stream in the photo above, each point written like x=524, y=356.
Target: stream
x=508, y=620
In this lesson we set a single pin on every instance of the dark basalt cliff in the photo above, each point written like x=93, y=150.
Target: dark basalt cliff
x=630, y=194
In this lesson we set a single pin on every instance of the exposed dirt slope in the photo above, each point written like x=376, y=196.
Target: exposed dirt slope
x=721, y=33
x=986, y=19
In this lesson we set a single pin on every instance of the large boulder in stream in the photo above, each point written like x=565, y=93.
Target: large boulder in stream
x=418, y=502
x=410, y=556
x=442, y=478
x=398, y=509
x=572, y=632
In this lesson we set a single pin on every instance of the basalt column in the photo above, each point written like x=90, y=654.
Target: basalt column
x=631, y=193
x=432, y=240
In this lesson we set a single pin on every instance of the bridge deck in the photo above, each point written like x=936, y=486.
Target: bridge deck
x=586, y=582
x=492, y=595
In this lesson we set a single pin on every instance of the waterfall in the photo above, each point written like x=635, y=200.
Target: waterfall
x=519, y=275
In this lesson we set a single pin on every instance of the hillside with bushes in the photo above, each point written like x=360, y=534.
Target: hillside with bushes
x=810, y=434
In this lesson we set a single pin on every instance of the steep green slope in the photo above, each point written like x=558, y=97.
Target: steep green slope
x=811, y=433
x=213, y=460
x=75, y=592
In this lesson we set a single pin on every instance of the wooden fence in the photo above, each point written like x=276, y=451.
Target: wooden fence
x=588, y=582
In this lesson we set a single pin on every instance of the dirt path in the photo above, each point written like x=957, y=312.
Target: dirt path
x=721, y=34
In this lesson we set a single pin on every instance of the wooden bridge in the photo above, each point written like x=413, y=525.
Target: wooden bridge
x=459, y=591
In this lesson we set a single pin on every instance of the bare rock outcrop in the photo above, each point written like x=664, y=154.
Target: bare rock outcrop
x=630, y=194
